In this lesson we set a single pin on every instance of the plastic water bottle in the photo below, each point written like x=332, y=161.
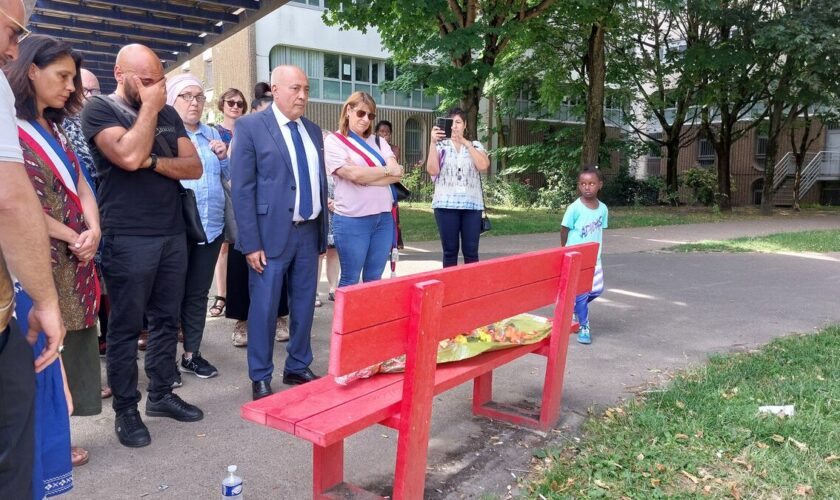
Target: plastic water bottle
x=232, y=485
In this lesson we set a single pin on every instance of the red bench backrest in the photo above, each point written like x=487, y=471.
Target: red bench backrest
x=370, y=322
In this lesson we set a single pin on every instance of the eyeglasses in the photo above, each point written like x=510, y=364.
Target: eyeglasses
x=360, y=113
x=21, y=33
x=199, y=99
x=235, y=104
x=90, y=92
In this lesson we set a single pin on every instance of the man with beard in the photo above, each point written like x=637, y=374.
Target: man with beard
x=141, y=151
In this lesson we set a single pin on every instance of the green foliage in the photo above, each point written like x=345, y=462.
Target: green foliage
x=624, y=190
x=416, y=181
x=703, y=183
x=505, y=192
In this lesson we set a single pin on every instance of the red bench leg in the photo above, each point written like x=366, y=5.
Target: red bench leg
x=327, y=468
x=482, y=391
x=418, y=390
x=559, y=345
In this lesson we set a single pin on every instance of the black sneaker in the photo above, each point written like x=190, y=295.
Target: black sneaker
x=172, y=406
x=199, y=366
x=131, y=431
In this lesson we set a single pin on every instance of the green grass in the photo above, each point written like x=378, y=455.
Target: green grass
x=418, y=223
x=804, y=241
x=701, y=437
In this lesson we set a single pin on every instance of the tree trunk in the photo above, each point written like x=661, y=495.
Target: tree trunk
x=773, y=133
x=672, y=149
x=724, y=194
x=596, y=71
x=797, y=181
x=469, y=103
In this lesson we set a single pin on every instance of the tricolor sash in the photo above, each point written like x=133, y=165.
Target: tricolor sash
x=64, y=167
x=369, y=154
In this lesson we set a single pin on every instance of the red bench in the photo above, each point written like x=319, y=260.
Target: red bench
x=377, y=321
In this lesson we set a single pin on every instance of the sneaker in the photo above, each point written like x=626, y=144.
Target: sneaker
x=172, y=406
x=281, y=333
x=130, y=429
x=199, y=366
x=583, y=335
x=240, y=334
x=318, y=302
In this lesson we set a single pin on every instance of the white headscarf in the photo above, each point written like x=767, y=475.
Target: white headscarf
x=176, y=85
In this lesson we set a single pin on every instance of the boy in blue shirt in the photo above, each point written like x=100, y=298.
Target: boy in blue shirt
x=583, y=222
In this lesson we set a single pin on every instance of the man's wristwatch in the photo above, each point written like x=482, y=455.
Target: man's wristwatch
x=153, y=161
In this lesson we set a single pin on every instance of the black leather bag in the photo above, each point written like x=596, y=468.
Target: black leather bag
x=192, y=219
x=402, y=192
x=485, y=223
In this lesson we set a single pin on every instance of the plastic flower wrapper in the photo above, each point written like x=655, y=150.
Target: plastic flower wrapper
x=521, y=329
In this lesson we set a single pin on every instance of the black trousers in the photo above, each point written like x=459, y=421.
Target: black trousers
x=17, y=414
x=238, y=299
x=202, y=264
x=459, y=229
x=144, y=275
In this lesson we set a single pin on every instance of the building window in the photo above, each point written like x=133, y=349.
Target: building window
x=413, y=142
x=760, y=149
x=333, y=77
x=311, y=3
x=705, y=152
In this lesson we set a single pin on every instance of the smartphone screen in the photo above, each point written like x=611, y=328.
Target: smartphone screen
x=445, y=124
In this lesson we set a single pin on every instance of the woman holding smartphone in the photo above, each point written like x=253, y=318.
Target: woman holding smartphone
x=458, y=200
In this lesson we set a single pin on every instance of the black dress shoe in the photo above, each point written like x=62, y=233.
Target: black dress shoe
x=261, y=389
x=131, y=431
x=299, y=378
x=172, y=406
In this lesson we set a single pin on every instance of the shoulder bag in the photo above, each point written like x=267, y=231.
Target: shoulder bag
x=189, y=205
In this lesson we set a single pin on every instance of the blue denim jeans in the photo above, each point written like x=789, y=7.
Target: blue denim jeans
x=363, y=244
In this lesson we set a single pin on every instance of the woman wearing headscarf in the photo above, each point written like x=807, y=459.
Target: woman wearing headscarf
x=186, y=94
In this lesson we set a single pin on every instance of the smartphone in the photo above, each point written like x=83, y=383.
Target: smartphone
x=445, y=124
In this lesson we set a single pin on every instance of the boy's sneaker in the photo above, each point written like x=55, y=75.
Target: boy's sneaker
x=583, y=335
x=198, y=365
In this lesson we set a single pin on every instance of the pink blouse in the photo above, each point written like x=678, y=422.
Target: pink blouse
x=351, y=199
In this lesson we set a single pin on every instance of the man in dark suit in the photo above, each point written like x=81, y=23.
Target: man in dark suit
x=279, y=192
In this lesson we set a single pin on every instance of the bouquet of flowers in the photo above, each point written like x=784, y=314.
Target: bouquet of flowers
x=521, y=329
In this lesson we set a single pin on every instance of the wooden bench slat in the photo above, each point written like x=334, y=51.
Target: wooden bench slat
x=353, y=352
x=284, y=409
x=386, y=300
x=330, y=426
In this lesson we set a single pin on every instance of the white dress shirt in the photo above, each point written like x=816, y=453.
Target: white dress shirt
x=311, y=158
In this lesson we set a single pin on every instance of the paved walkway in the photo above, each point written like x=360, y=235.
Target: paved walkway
x=661, y=311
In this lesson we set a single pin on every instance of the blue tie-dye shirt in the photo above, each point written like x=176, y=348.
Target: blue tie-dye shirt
x=586, y=224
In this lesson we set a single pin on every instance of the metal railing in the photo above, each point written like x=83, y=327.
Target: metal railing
x=786, y=166
x=825, y=164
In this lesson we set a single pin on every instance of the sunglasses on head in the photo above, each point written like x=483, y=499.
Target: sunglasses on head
x=360, y=113
x=235, y=104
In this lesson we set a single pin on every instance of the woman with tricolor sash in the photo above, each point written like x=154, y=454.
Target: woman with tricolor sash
x=47, y=86
x=364, y=172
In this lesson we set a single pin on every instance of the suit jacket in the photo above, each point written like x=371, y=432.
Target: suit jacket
x=263, y=184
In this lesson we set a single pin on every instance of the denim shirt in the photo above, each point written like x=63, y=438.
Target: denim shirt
x=209, y=195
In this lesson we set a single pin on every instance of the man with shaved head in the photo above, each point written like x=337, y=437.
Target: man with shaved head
x=279, y=192
x=25, y=248
x=141, y=151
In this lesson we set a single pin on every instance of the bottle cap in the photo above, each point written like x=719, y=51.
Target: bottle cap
x=231, y=468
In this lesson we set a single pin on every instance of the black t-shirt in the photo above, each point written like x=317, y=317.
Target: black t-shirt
x=139, y=203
